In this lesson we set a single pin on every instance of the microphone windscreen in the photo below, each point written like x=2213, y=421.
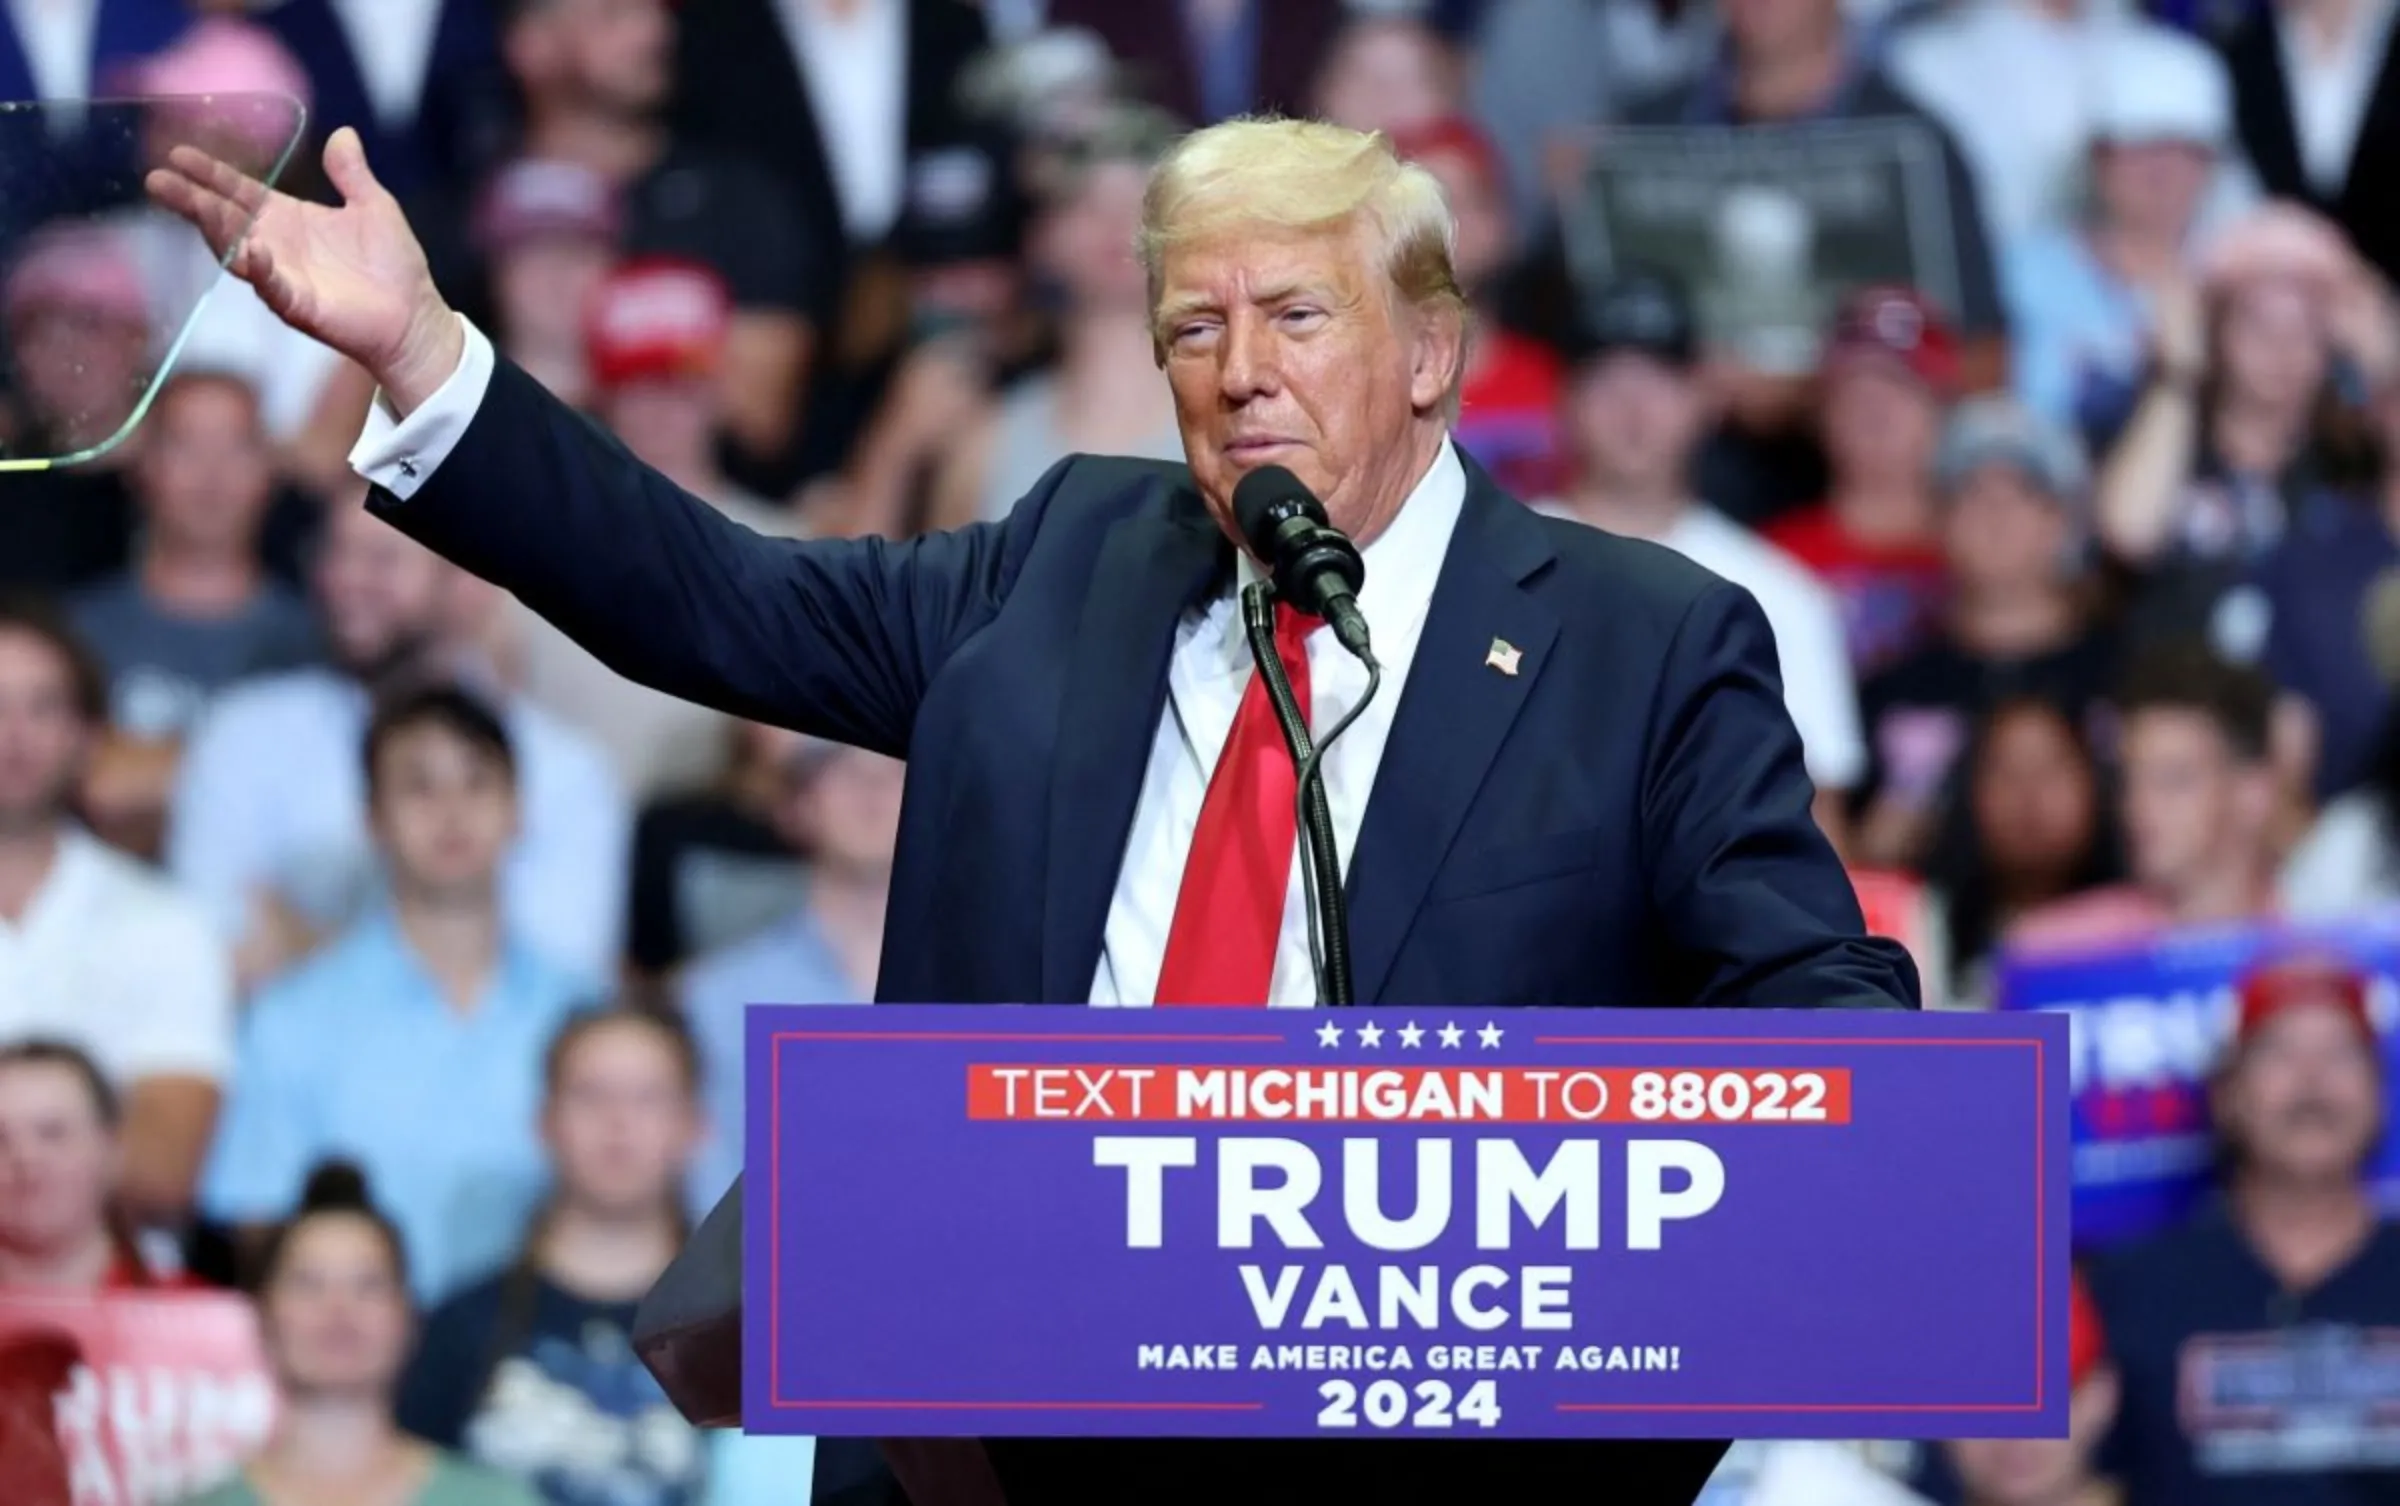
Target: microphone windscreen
x=1265, y=498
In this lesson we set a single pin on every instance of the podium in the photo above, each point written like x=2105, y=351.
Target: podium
x=1045, y=1255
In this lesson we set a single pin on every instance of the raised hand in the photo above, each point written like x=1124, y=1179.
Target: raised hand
x=353, y=277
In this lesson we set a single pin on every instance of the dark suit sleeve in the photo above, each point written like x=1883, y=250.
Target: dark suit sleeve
x=834, y=637
x=1757, y=908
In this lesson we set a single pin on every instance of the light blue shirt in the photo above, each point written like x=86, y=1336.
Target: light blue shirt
x=271, y=796
x=788, y=963
x=356, y=1055
x=2082, y=337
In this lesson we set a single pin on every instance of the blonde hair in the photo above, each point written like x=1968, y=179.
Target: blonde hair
x=1265, y=173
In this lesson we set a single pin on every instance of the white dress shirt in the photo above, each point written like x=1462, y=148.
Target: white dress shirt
x=1206, y=677
x=393, y=43
x=111, y=957
x=2329, y=92
x=856, y=68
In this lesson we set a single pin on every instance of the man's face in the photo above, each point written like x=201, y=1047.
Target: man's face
x=2003, y=535
x=1286, y=348
x=1481, y=251
x=1767, y=30
x=380, y=590
x=57, y=1159
x=542, y=287
x=844, y=808
x=1881, y=424
x=445, y=811
x=79, y=370
x=2152, y=187
x=2188, y=801
x=43, y=736
x=2305, y=1097
x=1086, y=242
x=1633, y=420
x=1386, y=75
x=670, y=422
x=205, y=473
x=620, y=53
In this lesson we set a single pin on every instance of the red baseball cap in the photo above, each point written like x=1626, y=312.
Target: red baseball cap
x=2087, y=1345
x=2298, y=978
x=1895, y=325
x=658, y=318
x=1454, y=134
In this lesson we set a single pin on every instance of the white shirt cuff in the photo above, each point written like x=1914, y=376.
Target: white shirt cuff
x=399, y=454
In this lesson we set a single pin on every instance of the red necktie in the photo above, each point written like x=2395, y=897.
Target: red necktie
x=1229, y=912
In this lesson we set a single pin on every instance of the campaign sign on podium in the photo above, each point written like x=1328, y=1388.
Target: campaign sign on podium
x=973, y=1221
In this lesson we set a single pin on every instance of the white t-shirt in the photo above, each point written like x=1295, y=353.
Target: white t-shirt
x=113, y=958
x=1818, y=688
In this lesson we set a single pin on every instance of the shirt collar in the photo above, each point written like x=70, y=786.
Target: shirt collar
x=1402, y=563
x=74, y=868
x=380, y=933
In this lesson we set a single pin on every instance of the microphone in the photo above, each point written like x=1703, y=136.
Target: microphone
x=1314, y=565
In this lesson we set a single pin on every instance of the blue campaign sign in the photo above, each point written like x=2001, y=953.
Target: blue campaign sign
x=1530, y=1223
x=2150, y=1023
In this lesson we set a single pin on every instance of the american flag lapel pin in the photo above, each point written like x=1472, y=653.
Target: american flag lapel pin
x=1503, y=656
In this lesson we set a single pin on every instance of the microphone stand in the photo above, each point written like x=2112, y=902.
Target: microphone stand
x=1320, y=858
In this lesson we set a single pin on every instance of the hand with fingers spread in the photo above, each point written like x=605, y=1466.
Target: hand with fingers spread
x=353, y=277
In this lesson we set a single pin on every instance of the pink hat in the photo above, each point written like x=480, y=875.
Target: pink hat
x=222, y=55
x=76, y=266
x=535, y=198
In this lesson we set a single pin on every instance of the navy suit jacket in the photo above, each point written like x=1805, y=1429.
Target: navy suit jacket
x=1624, y=821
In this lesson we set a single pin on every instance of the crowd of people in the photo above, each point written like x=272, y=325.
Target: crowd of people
x=368, y=946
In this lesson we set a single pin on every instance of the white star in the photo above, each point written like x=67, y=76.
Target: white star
x=1330, y=1033
x=1369, y=1035
x=1489, y=1035
x=1410, y=1035
x=1451, y=1035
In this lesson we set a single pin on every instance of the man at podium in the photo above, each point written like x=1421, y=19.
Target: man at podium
x=1578, y=785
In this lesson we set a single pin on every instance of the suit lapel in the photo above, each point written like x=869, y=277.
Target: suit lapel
x=1455, y=711
x=1149, y=571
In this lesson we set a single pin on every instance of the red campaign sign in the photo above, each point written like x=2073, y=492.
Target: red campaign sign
x=153, y=1395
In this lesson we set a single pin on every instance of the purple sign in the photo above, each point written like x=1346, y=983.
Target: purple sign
x=1055, y=1221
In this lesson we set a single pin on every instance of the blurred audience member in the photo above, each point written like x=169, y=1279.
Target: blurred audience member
x=596, y=78
x=712, y=868
x=1794, y=63
x=1634, y=412
x=1210, y=60
x=229, y=87
x=269, y=829
x=2349, y=861
x=1387, y=72
x=2029, y=85
x=412, y=77
x=2028, y=827
x=1891, y=370
x=78, y=339
x=2316, y=84
x=412, y=1042
x=94, y=948
x=656, y=337
x=2255, y=1343
x=198, y=609
x=1103, y=395
x=62, y=1153
x=2052, y=1471
x=2082, y=295
x=2016, y=621
x=2233, y=430
x=2307, y=613
x=548, y=231
x=1548, y=74
x=2197, y=808
x=531, y=1370
x=841, y=806
x=1509, y=397
x=335, y=1315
